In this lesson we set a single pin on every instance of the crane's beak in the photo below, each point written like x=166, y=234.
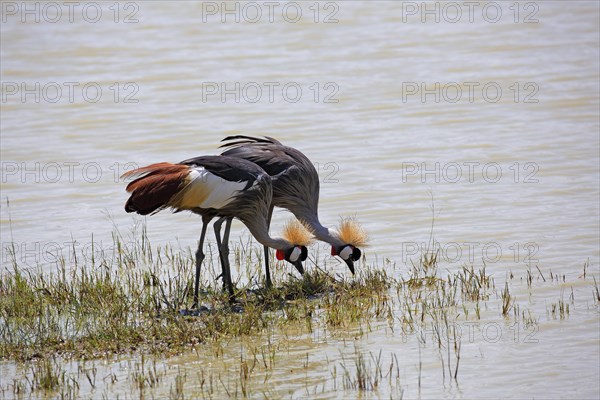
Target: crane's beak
x=350, y=264
x=299, y=267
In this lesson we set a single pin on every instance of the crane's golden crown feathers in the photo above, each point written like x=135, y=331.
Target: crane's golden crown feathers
x=352, y=233
x=295, y=233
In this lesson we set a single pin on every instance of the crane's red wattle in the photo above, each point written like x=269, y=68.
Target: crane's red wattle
x=280, y=255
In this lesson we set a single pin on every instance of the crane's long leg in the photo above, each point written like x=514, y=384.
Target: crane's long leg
x=224, y=258
x=267, y=271
x=225, y=244
x=199, y=259
x=225, y=252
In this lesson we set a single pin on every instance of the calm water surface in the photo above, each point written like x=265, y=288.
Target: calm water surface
x=491, y=129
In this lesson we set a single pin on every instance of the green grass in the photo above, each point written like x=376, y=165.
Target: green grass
x=130, y=302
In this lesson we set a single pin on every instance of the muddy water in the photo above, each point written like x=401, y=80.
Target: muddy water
x=482, y=119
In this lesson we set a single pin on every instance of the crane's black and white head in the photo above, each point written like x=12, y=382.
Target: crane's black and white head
x=352, y=236
x=298, y=237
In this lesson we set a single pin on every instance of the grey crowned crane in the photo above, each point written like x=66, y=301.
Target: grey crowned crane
x=296, y=188
x=216, y=186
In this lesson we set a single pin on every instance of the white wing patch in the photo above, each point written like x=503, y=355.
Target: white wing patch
x=207, y=190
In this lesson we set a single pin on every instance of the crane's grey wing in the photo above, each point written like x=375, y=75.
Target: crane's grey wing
x=215, y=181
x=272, y=158
x=229, y=168
x=243, y=139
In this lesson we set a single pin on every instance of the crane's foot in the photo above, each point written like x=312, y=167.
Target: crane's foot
x=194, y=311
x=231, y=299
x=235, y=306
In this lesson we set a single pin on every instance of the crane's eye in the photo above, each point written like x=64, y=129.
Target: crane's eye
x=295, y=254
x=356, y=254
x=346, y=252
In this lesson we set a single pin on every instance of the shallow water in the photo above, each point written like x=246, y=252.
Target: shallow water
x=402, y=117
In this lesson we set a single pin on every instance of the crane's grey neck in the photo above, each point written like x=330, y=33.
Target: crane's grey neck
x=321, y=233
x=260, y=232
